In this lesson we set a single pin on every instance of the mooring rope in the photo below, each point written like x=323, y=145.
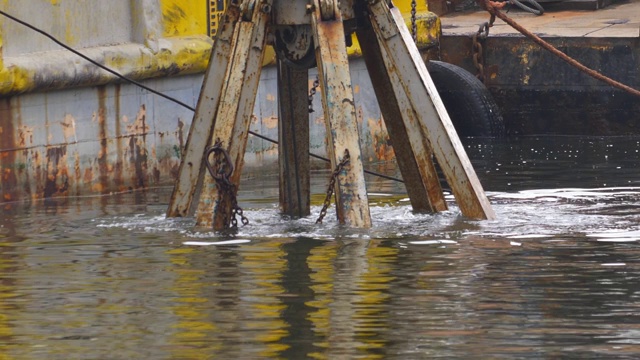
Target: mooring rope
x=153, y=91
x=493, y=8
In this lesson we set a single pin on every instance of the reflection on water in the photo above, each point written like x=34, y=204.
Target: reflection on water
x=554, y=277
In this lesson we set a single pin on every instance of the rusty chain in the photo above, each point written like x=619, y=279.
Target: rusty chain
x=221, y=171
x=477, y=48
x=312, y=93
x=493, y=7
x=332, y=185
x=414, y=24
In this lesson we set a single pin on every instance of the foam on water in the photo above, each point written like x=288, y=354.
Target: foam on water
x=525, y=215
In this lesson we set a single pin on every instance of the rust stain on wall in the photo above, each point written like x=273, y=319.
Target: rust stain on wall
x=39, y=171
x=180, y=136
x=7, y=158
x=380, y=140
x=103, y=155
x=270, y=122
x=57, y=180
x=137, y=147
x=118, y=168
x=77, y=172
x=68, y=125
x=25, y=136
x=173, y=166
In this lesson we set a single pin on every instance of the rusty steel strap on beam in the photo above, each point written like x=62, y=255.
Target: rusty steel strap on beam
x=156, y=92
x=494, y=7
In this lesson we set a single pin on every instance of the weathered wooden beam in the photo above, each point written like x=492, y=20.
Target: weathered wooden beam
x=404, y=59
x=192, y=165
x=293, y=140
x=352, y=204
x=410, y=146
x=234, y=113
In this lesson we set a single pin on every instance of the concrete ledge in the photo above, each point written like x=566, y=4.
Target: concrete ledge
x=60, y=69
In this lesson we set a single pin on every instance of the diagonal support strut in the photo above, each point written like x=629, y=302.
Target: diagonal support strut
x=403, y=58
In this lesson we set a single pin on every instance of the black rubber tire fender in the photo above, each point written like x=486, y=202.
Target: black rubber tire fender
x=470, y=105
x=535, y=9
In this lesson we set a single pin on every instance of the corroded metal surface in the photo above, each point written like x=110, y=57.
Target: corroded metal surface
x=108, y=143
x=565, y=100
x=352, y=205
x=191, y=168
x=235, y=110
x=94, y=136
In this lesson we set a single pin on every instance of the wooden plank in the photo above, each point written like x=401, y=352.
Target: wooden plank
x=405, y=60
x=191, y=167
x=352, y=204
x=234, y=113
x=410, y=146
x=293, y=140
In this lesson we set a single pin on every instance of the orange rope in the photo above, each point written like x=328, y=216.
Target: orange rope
x=493, y=8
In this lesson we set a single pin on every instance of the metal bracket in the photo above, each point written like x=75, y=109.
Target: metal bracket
x=329, y=9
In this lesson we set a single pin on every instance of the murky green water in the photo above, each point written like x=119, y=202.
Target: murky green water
x=556, y=276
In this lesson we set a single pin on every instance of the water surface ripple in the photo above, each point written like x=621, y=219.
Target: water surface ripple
x=555, y=276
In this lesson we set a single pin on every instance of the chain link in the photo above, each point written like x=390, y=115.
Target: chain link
x=332, y=185
x=312, y=92
x=221, y=171
x=414, y=23
x=477, y=47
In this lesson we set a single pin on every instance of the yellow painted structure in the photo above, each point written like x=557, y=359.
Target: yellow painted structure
x=197, y=17
x=177, y=41
x=185, y=17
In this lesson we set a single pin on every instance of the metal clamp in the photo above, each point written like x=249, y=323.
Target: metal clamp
x=329, y=9
x=246, y=9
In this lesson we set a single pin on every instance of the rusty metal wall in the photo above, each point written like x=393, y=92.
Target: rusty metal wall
x=539, y=93
x=70, y=129
x=91, y=140
x=114, y=138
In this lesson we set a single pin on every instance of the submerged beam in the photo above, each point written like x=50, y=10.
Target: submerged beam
x=293, y=140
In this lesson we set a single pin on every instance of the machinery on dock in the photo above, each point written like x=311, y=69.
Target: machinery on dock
x=306, y=34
